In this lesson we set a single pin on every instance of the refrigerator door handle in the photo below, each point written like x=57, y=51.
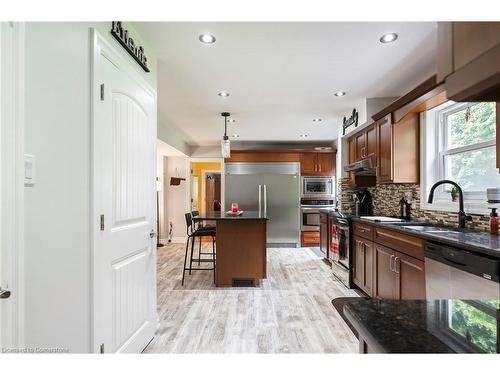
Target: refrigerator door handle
x=265, y=198
x=260, y=198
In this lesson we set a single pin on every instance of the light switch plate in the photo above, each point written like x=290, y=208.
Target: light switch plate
x=29, y=170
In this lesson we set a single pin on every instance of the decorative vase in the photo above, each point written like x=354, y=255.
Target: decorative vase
x=454, y=197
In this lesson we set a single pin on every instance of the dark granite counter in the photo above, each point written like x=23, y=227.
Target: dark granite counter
x=479, y=242
x=218, y=215
x=436, y=326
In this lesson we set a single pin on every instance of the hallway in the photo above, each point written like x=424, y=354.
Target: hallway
x=290, y=313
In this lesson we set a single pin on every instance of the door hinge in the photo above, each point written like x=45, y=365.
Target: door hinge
x=102, y=91
x=102, y=222
x=101, y=349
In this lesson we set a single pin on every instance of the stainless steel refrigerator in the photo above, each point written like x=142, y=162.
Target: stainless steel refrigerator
x=270, y=187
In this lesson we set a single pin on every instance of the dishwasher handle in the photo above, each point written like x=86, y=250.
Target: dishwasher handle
x=477, y=264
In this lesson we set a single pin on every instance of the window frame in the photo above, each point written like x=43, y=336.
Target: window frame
x=443, y=151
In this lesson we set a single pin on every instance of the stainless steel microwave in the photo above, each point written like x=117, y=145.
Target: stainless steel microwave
x=317, y=186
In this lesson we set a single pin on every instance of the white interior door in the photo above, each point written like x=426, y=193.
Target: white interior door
x=124, y=193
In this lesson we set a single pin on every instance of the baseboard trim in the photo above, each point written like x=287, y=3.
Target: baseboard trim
x=178, y=240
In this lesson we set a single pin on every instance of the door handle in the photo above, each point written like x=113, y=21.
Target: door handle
x=4, y=294
x=396, y=261
x=152, y=234
x=391, y=264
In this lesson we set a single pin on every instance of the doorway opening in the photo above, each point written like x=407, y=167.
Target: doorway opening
x=206, y=187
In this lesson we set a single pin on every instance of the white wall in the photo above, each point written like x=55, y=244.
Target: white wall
x=57, y=233
x=177, y=196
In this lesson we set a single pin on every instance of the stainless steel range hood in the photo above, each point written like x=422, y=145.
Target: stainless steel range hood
x=363, y=167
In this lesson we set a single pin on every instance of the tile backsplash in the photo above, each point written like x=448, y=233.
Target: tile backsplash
x=386, y=199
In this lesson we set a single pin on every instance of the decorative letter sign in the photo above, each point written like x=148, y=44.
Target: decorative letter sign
x=137, y=52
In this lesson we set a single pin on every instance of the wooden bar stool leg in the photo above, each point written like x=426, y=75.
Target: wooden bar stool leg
x=185, y=261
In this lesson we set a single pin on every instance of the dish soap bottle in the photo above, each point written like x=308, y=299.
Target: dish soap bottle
x=493, y=221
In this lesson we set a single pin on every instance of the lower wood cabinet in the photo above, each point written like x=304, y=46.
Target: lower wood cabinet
x=310, y=238
x=397, y=275
x=363, y=264
x=395, y=272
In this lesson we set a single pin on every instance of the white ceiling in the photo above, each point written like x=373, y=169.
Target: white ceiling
x=281, y=75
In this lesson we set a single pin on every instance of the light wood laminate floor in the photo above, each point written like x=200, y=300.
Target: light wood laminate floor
x=290, y=313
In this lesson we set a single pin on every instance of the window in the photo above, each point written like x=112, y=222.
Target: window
x=466, y=148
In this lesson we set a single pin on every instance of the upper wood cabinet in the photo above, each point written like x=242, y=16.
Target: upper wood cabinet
x=468, y=56
x=317, y=163
x=398, y=150
x=364, y=144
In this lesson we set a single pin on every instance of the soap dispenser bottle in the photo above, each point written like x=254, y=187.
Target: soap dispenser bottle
x=493, y=221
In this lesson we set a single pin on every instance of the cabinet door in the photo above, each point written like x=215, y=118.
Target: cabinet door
x=405, y=150
x=360, y=145
x=352, y=159
x=371, y=141
x=324, y=239
x=326, y=164
x=384, y=170
x=309, y=163
x=368, y=254
x=385, y=278
x=410, y=277
x=358, y=263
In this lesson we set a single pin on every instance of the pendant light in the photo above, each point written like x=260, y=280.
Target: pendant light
x=225, y=144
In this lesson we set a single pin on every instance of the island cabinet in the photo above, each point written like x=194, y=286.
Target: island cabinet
x=388, y=264
x=317, y=163
x=467, y=60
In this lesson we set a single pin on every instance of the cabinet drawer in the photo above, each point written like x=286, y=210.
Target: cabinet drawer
x=403, y=243
x=310, y=238
x=363, y=230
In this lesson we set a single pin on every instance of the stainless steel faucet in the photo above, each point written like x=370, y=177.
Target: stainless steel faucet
x=462, y=217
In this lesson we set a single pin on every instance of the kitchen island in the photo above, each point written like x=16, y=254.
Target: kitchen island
x=240, y=247
x=425, y=326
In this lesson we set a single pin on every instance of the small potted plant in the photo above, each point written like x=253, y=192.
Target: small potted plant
x=454, y=194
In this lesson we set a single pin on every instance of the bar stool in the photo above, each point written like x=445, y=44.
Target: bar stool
x=202, y=225
x=192, y=234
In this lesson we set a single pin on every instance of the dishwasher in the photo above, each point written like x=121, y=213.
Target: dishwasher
x=452, y=273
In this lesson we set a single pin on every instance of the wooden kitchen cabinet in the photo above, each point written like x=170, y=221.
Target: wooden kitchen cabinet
x=317, y=163
x=364, y=144
x=410, y=277
x=398, y=150
x=384, y=286
x=389, y=267
x=363, y=264
x=468, y=55
x=310, y=238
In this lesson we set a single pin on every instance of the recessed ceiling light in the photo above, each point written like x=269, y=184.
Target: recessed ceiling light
x=236, y=136
x=223, y=94
x=231, y=120
x=339, y=93
x=388, y=38
x=303, y=136
x=317, y=119
x=207, y=38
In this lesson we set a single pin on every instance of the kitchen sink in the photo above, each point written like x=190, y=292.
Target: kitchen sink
x=431, y=229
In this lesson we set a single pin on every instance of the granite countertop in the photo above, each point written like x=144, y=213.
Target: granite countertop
x=433, y=326
x=219, y=215
x=479, y=242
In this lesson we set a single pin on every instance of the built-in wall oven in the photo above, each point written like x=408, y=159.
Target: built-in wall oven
x=309, y=212
x=317, y=186
x=340, y=247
